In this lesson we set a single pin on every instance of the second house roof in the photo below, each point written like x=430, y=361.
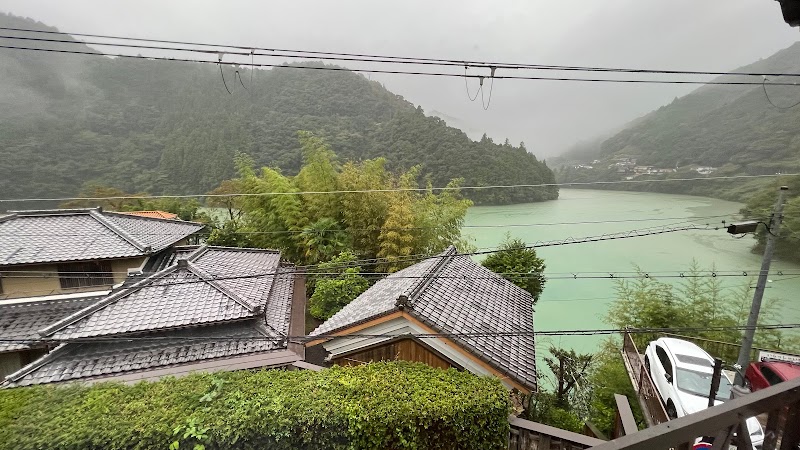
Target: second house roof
x=209, y=285
x=33, y=237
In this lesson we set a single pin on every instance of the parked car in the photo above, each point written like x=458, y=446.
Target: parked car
x=769, y=372
x=682, y=373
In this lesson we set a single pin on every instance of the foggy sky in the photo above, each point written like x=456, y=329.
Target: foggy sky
x=713, y=35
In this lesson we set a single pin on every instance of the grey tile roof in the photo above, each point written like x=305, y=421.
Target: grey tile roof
x=379, y=299
x=210, y=285
x=166, y=349
x=457, y=295
x=31, y=237
x=183, y=301
x=23, y=320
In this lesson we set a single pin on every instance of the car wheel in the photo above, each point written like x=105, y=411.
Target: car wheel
x=672, y=413
x=647, y=365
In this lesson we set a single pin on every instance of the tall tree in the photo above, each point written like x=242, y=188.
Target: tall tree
x=569, y=368
x=518, y=264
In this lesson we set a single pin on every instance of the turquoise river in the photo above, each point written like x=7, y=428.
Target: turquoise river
x=569, y=303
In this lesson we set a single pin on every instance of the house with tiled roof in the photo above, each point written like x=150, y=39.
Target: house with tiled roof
x=475, y=319
x=206, y=309
x=21, y=319
x=55, y=262
x=78, y=250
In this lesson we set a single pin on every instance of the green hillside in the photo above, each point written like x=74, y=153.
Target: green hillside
x=733, y=129
x=170, y=127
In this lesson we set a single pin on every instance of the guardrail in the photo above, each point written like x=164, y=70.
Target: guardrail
x=649, y=400
x=527, y=435
x=780, y=402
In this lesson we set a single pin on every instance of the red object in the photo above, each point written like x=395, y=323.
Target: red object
x=764, y=374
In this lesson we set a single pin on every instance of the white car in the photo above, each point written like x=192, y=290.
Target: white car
x=682, y=373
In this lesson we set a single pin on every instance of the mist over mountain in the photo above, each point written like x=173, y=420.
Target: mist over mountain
x=721, y=130
x=172, y=127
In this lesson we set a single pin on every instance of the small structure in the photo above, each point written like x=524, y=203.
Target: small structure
x=209, y=309
x=476, y=321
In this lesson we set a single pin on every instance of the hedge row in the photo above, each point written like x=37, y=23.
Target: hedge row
x=393, y=405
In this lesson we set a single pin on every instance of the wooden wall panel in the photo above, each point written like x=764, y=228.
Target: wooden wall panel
x=402, y=350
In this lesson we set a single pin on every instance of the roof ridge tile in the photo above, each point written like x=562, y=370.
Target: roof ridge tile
x=98, y=216
x=210, y=280
x=413, y=293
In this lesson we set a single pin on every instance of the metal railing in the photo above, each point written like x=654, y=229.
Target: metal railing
x=646, y=394
x=781, y=403
x=527, y=435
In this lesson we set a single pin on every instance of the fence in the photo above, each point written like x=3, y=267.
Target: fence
x=646, y=393
x=527, y=435
x=781, y=403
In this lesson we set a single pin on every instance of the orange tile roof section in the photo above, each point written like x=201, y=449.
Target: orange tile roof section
x=156, y=214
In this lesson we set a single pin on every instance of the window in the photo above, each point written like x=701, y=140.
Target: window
x=85, y=274
x=699, y=383
x=772, y=377
x=665, y=362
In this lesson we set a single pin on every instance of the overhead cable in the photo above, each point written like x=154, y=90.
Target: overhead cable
x=366, y=191
x=363, y=57
x=397, y=72
x=689, y=219
x=782, y=108
x=464, y=335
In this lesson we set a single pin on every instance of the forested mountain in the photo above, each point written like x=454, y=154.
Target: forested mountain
x=731, y=128
x=171, y=127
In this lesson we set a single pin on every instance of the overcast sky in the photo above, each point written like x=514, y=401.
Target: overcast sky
x=713, y=35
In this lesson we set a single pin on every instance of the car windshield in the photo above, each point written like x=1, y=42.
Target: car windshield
x=699, y=383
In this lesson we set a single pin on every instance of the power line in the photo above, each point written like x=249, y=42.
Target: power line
x=420, y=257
x=398, y=72
x=651, y=231
x=367, y=191
x=362, y=57
x=465, y=335
x=782, y=108
x=576, y=275
x=412, y=258
x=691, y=219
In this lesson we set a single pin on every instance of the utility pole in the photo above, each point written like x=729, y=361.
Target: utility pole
x=752, y=320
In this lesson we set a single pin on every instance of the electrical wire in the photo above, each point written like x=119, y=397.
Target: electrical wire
x=576, y=275
x=466, y=86
x=782, y=108
x=362, y=57
x=567, y=241
x=223, y=80
x=366, y=191
x=568, y=276
x=336, y=230
x=397, y=72
x=464, y=335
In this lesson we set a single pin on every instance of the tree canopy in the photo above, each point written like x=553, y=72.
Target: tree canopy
x=518, y=264
x=760, y=206
x=329, y=208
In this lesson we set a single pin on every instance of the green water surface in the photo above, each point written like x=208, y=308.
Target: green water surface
x=568, y=303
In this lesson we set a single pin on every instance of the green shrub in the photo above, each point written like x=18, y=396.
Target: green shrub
x=393, y=405
x=333, y=294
